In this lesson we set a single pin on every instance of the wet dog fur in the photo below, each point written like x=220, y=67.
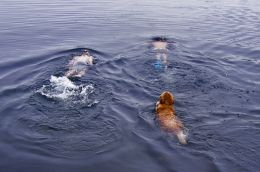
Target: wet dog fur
x=167, y=118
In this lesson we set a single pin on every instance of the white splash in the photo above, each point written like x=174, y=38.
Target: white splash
x=182, y=137
x=62, y=82
x=64, y=89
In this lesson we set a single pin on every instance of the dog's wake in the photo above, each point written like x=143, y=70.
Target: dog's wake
x=64, y=89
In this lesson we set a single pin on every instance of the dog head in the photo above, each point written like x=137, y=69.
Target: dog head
x=166, y=98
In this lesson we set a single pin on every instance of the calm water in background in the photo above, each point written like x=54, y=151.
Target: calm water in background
x=107, y=122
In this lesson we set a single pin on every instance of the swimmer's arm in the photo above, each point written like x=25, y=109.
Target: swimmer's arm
x=90, y=60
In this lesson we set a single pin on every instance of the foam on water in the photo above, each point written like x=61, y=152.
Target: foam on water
x=62, y=88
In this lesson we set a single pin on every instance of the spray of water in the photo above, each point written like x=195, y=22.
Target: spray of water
x=62, y=88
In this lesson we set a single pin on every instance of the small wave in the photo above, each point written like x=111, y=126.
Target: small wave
x=62, y=88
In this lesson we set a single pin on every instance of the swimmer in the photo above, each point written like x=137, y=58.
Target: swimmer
x=78, y=65
x=160, y=46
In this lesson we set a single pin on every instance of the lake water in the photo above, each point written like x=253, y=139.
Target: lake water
x=105, y=121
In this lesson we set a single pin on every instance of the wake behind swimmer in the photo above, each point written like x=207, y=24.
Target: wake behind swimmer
x=64, y=89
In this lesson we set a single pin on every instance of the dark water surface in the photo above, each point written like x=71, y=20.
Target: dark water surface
x=107, y=122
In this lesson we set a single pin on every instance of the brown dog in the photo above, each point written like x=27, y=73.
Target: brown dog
x=167, y=117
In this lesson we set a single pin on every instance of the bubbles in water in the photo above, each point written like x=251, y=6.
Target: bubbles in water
x=62, y=88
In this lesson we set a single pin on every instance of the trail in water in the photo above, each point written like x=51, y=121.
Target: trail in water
x=62, y=88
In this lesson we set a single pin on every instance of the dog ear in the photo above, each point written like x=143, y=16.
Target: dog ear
x=171, y=100
x=162, y=101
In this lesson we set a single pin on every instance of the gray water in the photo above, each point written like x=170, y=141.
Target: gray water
x=107, y=123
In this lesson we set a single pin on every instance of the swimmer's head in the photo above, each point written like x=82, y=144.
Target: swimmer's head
x=159, y=39
x=85, y=51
